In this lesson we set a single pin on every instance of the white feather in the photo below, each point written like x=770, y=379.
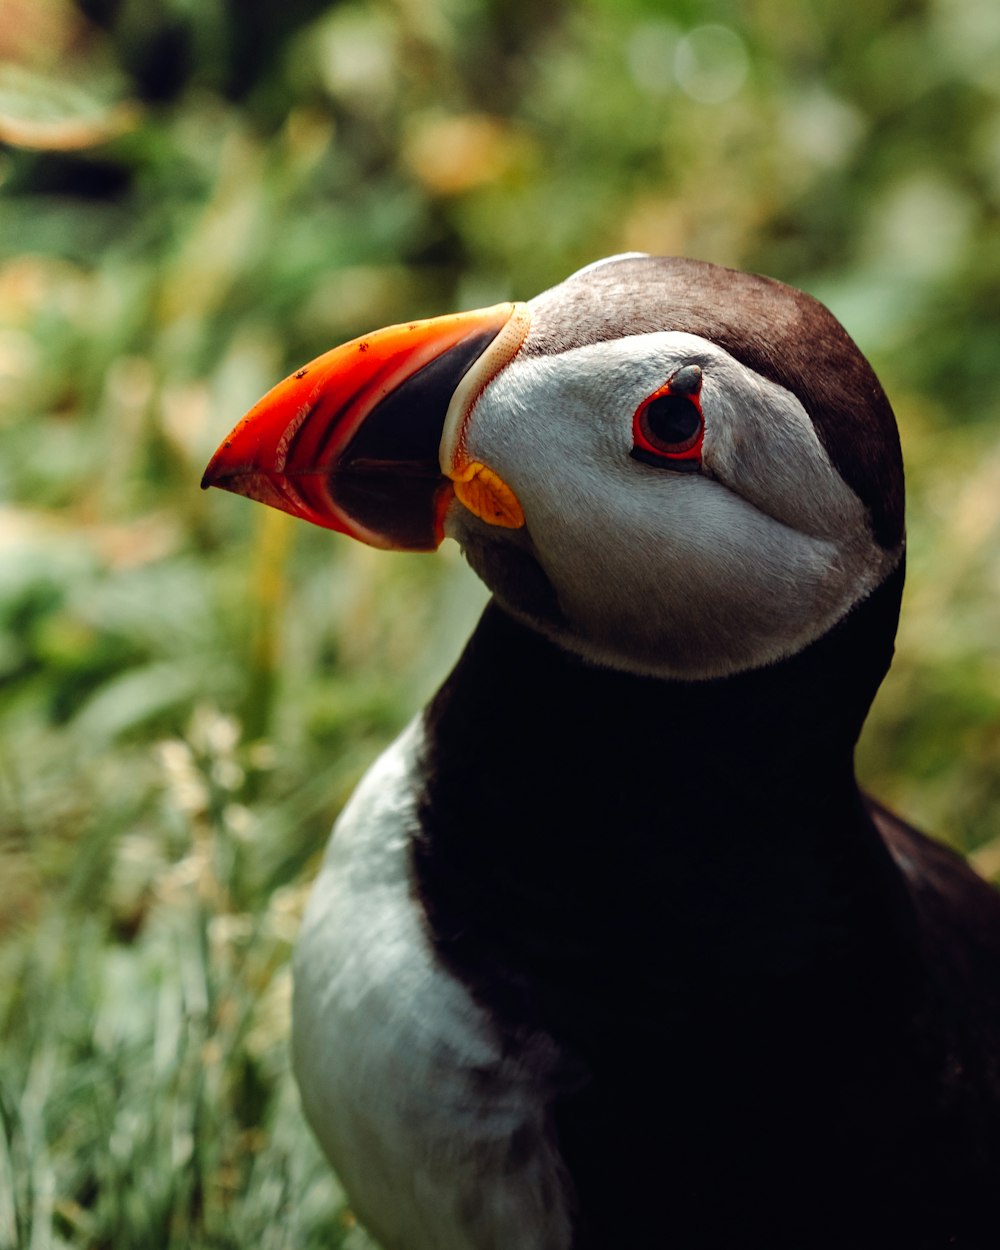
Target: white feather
x=441, y=1140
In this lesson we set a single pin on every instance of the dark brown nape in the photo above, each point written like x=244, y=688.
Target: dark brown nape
x=781, y=333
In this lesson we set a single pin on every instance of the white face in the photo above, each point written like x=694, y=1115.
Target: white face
x=651, y=570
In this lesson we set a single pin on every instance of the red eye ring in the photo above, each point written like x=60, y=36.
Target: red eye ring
x=668, y=428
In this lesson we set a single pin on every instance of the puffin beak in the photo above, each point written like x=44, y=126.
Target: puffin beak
x=369, y=438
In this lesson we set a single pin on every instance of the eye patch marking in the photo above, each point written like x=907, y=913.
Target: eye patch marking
x=668, y=427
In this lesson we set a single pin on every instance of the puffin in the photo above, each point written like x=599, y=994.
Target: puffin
x=609, y=948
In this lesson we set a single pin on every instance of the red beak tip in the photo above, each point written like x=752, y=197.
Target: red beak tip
x=214, y=470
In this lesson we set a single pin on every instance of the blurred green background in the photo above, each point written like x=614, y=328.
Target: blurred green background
x=195, y=197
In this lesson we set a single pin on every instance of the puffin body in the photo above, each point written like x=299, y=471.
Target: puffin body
x=609, y=947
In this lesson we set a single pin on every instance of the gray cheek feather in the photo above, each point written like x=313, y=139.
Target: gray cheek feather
x=710, y=588
x=760, y=442
x=659, y=572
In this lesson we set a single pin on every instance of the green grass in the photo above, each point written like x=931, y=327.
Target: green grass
x=145, y=1098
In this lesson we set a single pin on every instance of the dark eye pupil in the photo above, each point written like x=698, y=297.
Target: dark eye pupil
x=671, y=419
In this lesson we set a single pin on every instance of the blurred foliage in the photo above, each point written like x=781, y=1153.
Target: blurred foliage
x=195, y=198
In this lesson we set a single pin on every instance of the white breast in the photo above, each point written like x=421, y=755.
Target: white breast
x=442, y=1142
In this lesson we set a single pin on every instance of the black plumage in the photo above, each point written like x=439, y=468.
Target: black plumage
x=780, y=1006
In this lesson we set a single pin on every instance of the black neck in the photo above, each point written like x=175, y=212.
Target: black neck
x=681, y=832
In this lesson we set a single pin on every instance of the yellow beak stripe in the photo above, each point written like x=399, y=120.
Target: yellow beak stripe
x=488, y=496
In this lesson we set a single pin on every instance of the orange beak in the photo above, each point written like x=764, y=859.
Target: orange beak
x=353, y=440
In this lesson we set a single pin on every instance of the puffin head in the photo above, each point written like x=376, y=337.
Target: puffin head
x=665, y=466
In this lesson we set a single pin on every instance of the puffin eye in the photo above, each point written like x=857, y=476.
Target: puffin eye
x=671, y=423
x=668, y=428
